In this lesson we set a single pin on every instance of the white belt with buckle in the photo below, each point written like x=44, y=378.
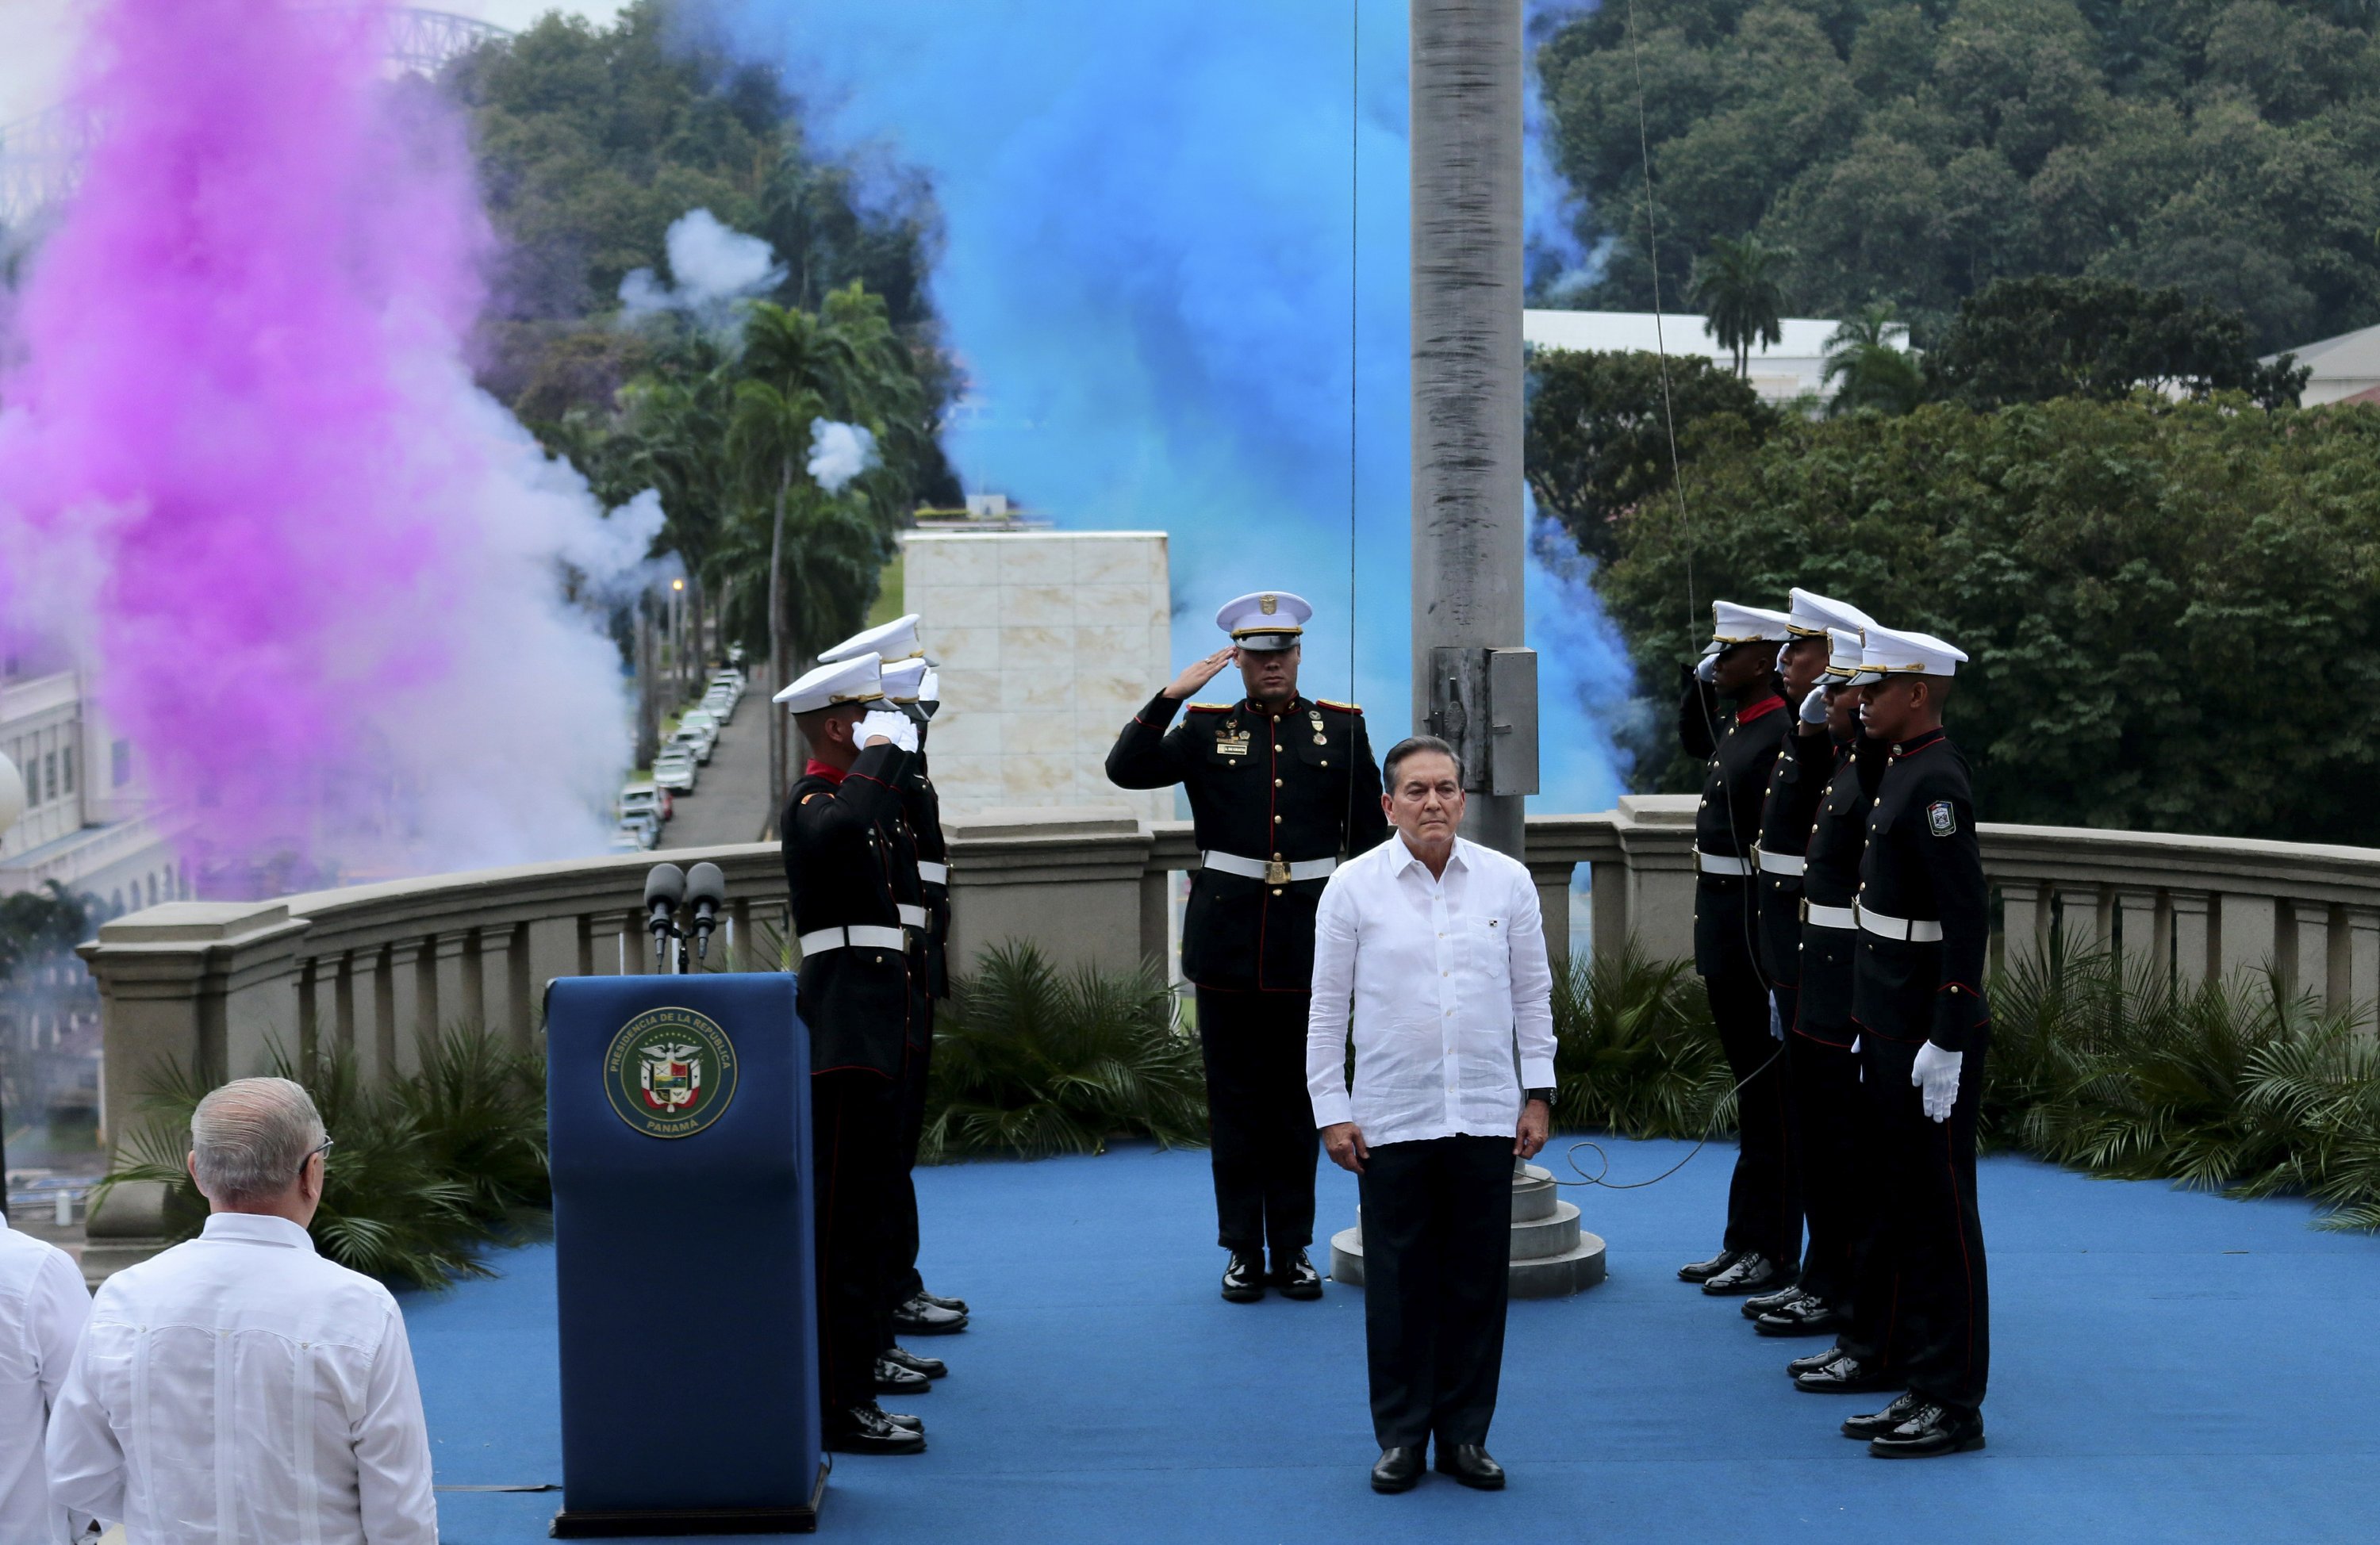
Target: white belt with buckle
x=1829, y=917
x=1271, y=871
x=1715, y=863
x=913, y=916
x=861, y=935
x=933, y=873
x=1918, y=931
x=1780, y=863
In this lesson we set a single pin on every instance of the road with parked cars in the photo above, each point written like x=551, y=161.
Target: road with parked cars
x=710, y=784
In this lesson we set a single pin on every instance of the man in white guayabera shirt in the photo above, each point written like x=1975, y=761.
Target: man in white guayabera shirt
x=42, y=1306
x=240, y=1387
x=1435, y=948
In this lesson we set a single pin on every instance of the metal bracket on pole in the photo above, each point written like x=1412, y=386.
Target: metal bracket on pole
x=1484, y=703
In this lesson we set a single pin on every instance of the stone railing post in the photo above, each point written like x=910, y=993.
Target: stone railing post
x=1553, y=880
x=2192, y=940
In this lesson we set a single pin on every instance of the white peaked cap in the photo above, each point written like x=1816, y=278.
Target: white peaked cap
x=902, y=678
x=851, y=681
x=1894, y=653
x=1731, y=624
x=896, y=640
x=1264, y=620
x=1844, y=649
x=1814, y=615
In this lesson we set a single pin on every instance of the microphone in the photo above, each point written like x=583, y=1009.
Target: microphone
x=663, y=888
x=706, y=892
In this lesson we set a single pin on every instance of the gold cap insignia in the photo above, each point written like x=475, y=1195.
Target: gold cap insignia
x=1269, y=604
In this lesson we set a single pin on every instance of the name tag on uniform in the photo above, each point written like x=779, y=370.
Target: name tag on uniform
x=1230, y=745
x=1939, y=820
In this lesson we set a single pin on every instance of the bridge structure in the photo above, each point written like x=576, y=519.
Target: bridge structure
x=41, y=154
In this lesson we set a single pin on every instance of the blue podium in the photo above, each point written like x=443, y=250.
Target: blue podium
x=679, y=1123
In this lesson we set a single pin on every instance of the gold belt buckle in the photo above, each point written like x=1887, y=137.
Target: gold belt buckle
x=1276, y=873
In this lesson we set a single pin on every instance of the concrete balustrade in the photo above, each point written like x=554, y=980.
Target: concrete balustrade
x=376, y=971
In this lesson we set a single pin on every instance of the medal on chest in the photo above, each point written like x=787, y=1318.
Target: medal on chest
x=1320, y=738
x=1232, y=740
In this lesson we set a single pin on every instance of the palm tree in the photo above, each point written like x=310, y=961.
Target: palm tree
x=843, y=362
x=1735, y=284
x=1869, y=354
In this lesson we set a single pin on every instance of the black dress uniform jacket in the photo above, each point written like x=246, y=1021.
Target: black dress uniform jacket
x=1796, y=783
x=850, y=861
x=922, y=807
x=1302, y=786
x=1735, y=786
x=1830, y=878
x=1923, y=864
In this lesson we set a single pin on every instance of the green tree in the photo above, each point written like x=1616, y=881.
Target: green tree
x=1600, y=431
x=2028, y=340
x=1735, y=284
x=2171, y=608
x=1869, y=365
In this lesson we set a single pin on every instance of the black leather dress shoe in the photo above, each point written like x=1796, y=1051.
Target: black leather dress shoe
x=1769, y=1303
x=917, y=1317
x=1878, y=1423
x=1469, y=1464
x=1703, y=1271
x=1296, y=1277
x=1814, y=1360
x=892, y=1379
x=1399, y=1470
x=867, y=1430
x=956, y=1305
x=1933, y=1430
x=932, y=1368
x=1807, y=1315
x=1755, y=1272
x=1244, y=1279
x=907, y=1422
x=1845, y=1376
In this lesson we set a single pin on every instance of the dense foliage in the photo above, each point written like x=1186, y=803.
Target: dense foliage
x=1635, y=1051
x=427, y=1171
x=1915, y=151
x=2029, y=340
x=1029, y=1062
x=2171, y=608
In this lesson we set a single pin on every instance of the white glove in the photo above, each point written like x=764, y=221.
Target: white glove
x=1781, y=658
x=930, y=691
x=1814, y=705
x=894, y=727
x=1936, y=1072
x=1776, y=1025
x=1707, y=667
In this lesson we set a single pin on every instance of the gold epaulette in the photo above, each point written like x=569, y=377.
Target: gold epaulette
x=1211, y=707
x=1343, y=707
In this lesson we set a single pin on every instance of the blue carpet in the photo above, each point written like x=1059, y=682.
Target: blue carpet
x=2167, y=1366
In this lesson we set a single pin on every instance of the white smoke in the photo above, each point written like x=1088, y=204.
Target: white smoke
x=839, y=453
x=716, y=266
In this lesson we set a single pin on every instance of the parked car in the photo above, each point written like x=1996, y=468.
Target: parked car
x=674, y=772
x=626, y=840
x=644, y=798
x=645, y=828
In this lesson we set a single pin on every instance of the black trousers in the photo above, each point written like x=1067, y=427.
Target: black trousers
x=852, y=1141
x=902, y=1281
x=1923, y=1302
x=1437, y=1243
x=1259, y=1121
x=1764, y=1199
x=1827, y=1118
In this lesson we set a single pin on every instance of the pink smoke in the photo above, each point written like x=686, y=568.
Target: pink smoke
x=243, y=471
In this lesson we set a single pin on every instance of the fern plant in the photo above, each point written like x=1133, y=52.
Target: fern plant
x=1635, y=1051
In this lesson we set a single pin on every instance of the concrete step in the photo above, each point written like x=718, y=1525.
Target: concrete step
x=1534, y=1194
x=1570, y=1258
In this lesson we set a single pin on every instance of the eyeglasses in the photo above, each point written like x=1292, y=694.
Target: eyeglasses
x=328, y=1143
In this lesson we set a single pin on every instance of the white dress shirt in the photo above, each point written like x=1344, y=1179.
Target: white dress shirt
x=240, y=1387
x=43, y=1306
x=1447, y=979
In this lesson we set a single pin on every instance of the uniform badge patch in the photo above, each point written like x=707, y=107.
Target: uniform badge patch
x=1939, y=820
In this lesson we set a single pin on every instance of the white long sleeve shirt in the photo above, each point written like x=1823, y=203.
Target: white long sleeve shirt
x=42, y=1306
x=240, y=1387
x=1451, y=996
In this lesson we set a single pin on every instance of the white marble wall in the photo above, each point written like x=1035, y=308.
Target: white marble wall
x=1049, y=642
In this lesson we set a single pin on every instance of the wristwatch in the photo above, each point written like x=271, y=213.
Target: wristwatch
x=1545, y=1095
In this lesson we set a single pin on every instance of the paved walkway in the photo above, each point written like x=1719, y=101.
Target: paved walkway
x=729, y=803
x=2171, y=1367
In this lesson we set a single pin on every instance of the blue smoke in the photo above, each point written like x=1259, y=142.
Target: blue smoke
x=1147, y=278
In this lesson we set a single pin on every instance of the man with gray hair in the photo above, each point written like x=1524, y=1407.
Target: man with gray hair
x=239, y=1386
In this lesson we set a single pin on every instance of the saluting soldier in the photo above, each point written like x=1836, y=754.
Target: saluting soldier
x=1807, y=1305
x=1917, y=998
x=908, y=1309
x=849, y=870
x=1281, y=789
x=1761, y=1249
